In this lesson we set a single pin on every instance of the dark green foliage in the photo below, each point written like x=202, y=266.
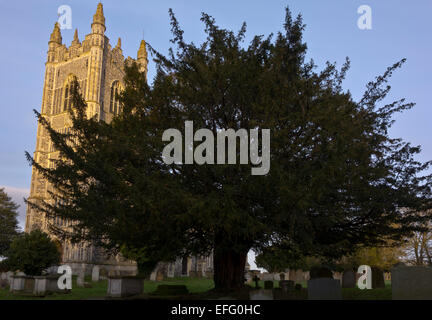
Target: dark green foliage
x=32, y=253
x=320, y=272
x=4, y=266
x=277, y=259
x=8, y=221
x=145, y=265
x=337, y=180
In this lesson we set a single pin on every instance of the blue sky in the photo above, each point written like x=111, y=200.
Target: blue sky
x=400, y=29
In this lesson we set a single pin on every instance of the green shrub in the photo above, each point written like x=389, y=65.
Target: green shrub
x=32, y=253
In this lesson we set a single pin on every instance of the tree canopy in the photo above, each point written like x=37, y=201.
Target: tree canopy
x=32, y=253
x=8, y=221
x=337, y=179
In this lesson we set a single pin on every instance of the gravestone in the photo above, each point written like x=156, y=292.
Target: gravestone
x=3, y=283
x=47, y=284
x=124, y=286
x=286, y=285
x=411, y=283
x=9, y=275
x=268, y=284
x=377, y=278
x=153, y=276
x=324, y=289
x=348, y=279
x=261, y=294
x=80, y=279
x=95, y=274
x=3, y=276
x=159, y=276
x=267, y=276
x=17, y=283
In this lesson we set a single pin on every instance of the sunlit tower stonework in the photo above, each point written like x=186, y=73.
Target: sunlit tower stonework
x=98, y=68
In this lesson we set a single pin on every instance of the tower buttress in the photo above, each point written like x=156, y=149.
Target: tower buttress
x=75, y=40
x=96, y=62
x=54, y=42
x=142, y=57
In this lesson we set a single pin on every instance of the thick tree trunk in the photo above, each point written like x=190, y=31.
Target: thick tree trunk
x=229, y=266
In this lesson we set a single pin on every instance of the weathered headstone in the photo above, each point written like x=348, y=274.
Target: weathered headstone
x=348, y=279
x=17, y=283
x=95, y=274
x=267, y=276
x=9, y=275
x=3, y=283
x=80, y=279
x=324, y=289
x=286, y=285
x=46, y=284
x=153, y=276
x=377, y=278
x=268, y=284
x=261, y=294
x=159, y=276
x=411, y=283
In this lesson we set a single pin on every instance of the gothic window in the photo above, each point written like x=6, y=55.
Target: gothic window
x=115, y=107
x=69, y=88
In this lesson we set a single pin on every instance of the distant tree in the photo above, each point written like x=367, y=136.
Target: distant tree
x=417, y=249
x=8, y=221
x=32, y=253
x=337, y=179
x=383, y=257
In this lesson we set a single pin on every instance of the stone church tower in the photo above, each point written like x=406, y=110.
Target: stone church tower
x=98, y=68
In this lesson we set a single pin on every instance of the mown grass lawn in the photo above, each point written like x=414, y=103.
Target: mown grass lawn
x=196, y=286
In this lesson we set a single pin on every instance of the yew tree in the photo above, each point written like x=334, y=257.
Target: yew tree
x=337, y=180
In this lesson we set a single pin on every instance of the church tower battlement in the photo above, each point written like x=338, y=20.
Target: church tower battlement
x=98, y=68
